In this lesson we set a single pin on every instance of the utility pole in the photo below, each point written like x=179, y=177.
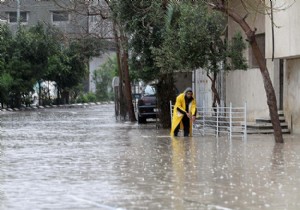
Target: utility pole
x=18, y=13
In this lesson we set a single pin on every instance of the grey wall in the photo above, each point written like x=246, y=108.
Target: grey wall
x=41, y=11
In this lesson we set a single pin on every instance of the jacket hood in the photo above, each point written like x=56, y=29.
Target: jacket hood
x=188, y=90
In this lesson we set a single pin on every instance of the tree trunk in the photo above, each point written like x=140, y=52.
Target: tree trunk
x=271, y=97
x=165, y=94
x=40, y=92
x=216, y=99
x=58, y=96
x=121, y=105
x=127, y=83
x=122, y=57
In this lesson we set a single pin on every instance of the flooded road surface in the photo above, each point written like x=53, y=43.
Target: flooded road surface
x=81, y=158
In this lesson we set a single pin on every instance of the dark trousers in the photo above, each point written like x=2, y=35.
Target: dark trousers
x=186, y=126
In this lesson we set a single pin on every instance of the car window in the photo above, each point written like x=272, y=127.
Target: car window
x=149, y=90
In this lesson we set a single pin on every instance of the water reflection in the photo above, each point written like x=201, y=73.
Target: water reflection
x=183, y=163
x=277, y=159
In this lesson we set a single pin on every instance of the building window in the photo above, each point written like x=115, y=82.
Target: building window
x=60, y=16
x=12, y=17
x=260, y=39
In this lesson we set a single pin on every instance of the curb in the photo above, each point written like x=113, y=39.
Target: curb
x=37, y=107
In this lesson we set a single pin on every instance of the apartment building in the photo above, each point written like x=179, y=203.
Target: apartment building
x=286, y=52
x=70, y=19
x=282, y=59
x=74, y=18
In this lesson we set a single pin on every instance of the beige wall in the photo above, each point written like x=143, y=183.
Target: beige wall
x=255, y=19
x=292, y=94
x=287, y=30
x=247, y=86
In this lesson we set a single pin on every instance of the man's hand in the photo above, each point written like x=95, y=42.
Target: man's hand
x=189, y=115
x=193, y=119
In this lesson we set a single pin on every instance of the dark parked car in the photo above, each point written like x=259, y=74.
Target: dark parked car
x=147, y=106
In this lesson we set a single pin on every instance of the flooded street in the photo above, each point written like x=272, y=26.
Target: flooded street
x=82, y=158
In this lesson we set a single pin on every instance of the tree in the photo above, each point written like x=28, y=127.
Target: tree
x=67, y=68
x=143, y=21
x=67, y=61
x=121, y=41
x=6, y=82
x=165, y=37
x=107, y=27
x=194, y=38
x=57, y=71
x=222, y=6
x=6, y=79
x=42, y=45
x=20, y=67
x=23, y=60
x=40, y=54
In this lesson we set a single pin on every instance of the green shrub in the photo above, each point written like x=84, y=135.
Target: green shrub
x=86, y=98
x=91, y=97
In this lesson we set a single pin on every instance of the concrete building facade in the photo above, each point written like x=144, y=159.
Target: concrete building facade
x=57, y=14
x=282, y=59
x=287, y=53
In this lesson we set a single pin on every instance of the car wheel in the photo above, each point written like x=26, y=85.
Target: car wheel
x=141, y=119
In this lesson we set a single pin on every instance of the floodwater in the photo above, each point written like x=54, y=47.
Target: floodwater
x=82, y=158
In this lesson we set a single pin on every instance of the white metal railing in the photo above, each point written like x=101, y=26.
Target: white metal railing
x=231, y=121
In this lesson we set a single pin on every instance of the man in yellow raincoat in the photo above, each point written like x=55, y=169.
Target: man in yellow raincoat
x=184, y=113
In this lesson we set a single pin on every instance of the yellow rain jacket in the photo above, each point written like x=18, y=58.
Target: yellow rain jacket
x=177, y=116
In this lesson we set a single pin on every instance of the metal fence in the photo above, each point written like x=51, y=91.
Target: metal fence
x=220, y=120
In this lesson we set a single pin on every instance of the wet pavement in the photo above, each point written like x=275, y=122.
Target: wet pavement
x=82, y=158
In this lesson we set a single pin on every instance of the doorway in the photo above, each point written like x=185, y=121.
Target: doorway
x=281, y=83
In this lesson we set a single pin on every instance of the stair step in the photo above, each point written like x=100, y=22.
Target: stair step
x=263, y=126
x=280, y=113
x=267, y=120
x=267, y=131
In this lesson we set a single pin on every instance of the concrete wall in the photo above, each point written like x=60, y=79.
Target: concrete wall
x=287, y=30
x=247, y=86
x=94, y=64
x=41, y=11
x=292, y=94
